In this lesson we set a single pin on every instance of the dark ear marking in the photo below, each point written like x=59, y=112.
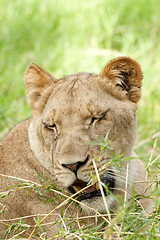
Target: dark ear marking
x=123, y=76
x=123, y=86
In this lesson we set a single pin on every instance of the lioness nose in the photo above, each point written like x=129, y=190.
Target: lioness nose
x=75, y=166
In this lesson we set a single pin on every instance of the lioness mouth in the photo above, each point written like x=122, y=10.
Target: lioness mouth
x=93, y=190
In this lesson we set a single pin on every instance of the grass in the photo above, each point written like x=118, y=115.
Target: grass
x=65, y=37
x=130, y=222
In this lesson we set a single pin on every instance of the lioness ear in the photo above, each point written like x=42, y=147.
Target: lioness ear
x=125, y=73
x=38, y=85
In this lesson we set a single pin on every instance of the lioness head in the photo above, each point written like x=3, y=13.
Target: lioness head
x=72, y=111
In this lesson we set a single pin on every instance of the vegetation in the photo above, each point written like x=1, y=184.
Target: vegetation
x=65, y=37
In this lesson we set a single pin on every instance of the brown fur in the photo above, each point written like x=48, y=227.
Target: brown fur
x=127, y=73
x=37, y=145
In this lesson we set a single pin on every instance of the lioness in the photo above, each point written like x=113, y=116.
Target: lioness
x=68, y=113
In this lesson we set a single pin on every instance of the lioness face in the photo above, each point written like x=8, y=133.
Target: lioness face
x=71, y=112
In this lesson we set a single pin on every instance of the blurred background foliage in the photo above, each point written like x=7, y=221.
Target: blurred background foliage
x=65, y=37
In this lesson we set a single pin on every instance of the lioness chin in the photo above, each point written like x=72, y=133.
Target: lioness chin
x=68, y=113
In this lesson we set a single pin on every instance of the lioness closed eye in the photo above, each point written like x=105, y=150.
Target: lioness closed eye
x=67, y=113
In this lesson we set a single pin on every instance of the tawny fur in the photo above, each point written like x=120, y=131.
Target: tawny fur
x=71, y=103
